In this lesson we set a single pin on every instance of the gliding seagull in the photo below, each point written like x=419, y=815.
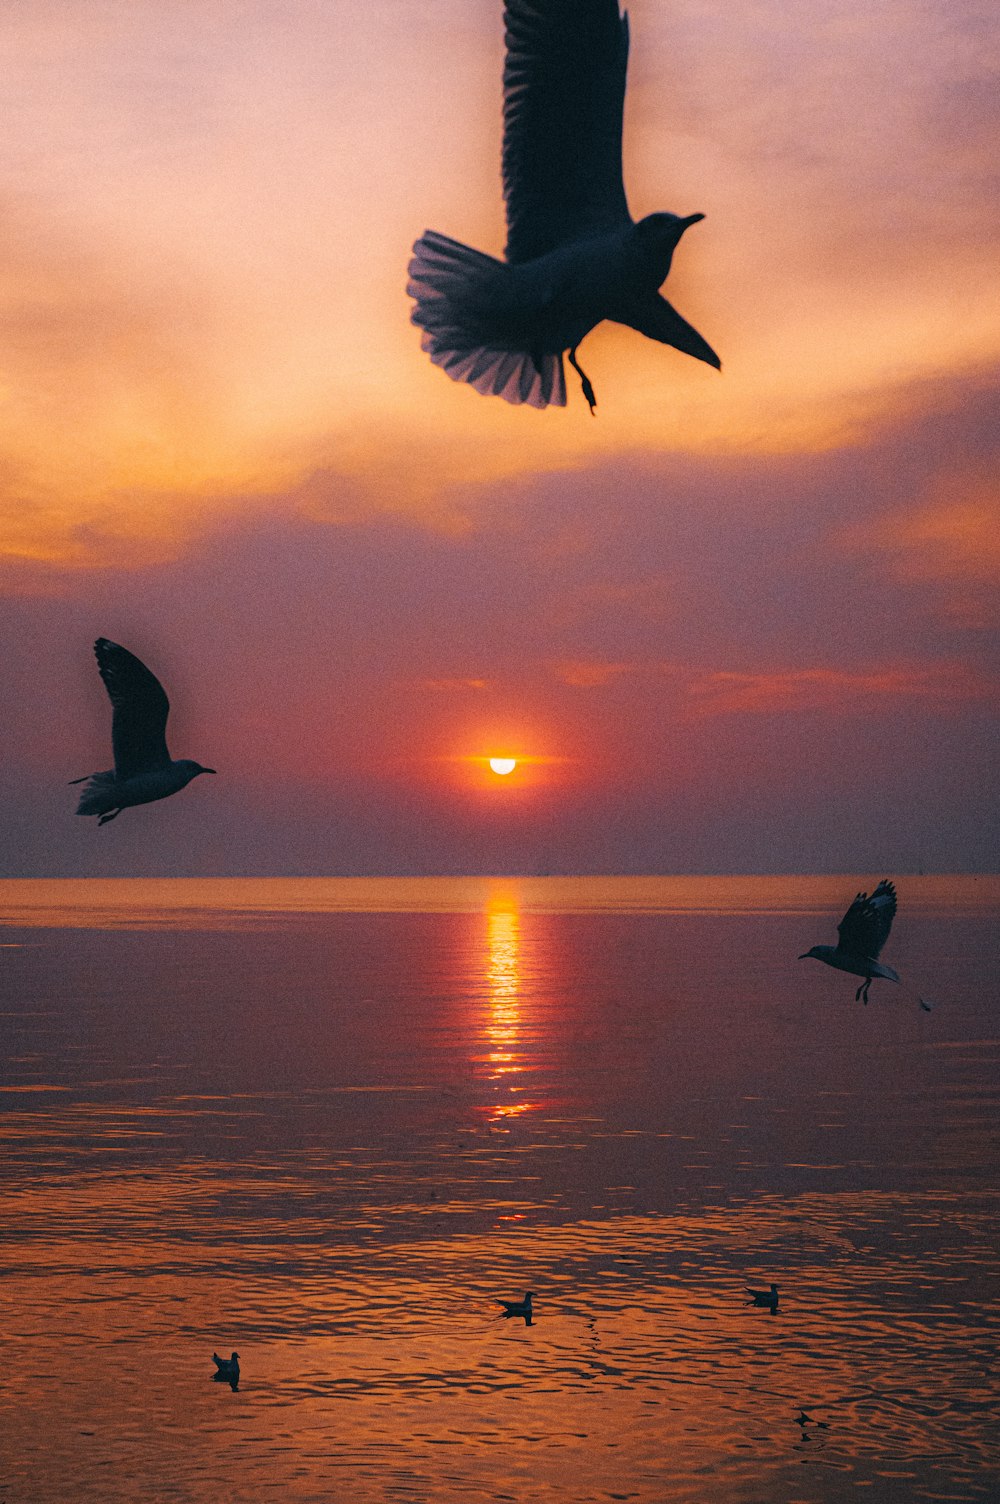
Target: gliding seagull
x=143, y=769
x=863, y=931
x=574, y=254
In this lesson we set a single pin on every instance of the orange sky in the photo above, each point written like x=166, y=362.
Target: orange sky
x=210, y=389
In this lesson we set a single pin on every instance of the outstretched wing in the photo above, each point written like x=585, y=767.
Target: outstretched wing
x=139, y=722
x=564, y=93
x=865, y=927
x=658, y=319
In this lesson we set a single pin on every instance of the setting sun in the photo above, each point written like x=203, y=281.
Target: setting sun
x=503, y=765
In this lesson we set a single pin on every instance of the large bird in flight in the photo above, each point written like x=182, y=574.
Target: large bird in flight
x=143, y=769
x=574, y=254
x=862, y=933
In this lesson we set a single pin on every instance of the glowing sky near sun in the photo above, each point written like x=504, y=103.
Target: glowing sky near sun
x=222, y=444
x=208, y=211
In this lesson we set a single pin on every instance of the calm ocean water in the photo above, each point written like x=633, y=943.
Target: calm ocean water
x=327, y=1123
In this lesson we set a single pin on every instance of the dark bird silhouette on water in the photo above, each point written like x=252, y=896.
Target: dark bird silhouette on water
x=574, y=254
x=863, y=931
x=227, y=1370
x=767, y=1298
x=518, y=1308
x=143, y=769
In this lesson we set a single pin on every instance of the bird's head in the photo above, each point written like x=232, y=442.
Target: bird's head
x=235, y=1357
x=192, y=768
x=658, y=235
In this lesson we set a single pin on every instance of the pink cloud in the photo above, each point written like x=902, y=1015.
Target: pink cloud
x=452, y=686
x=581, y=673
x=727, y=693
x=954, y=536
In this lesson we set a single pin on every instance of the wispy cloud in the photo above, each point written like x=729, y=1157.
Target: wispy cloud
x=581, y=673
x=453, y=686
x=955, y=537
x=837, y=690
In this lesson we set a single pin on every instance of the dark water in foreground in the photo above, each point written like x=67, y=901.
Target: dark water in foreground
x=327, y=1123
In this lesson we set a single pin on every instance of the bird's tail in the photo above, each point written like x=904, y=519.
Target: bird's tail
x=456, y=292
x=98, y=795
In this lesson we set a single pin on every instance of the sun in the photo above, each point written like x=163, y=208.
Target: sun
x=503, y=765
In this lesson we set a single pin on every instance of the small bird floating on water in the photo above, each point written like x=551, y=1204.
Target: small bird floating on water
x=518, y=1308
x=574, y=255
x=863, y=931
x=143, y=769
x=768, y=1298
x=227, y=1369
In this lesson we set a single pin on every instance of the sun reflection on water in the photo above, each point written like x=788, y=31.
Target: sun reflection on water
x=505, y=1059
x=503, y=941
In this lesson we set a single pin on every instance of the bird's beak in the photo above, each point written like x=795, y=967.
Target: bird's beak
x=208, y=770
x=804, y=956
x=692, y=219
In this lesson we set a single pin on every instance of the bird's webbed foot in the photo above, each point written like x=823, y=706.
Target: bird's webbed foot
x=110, y=816
x=585, y=381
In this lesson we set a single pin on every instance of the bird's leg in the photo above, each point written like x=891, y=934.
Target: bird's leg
x=864, y=992
x=585, y=382
x=857, y=995
x=105, y=818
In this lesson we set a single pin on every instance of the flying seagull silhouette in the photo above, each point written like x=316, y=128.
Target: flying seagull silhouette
x=863, y=931
x=574, y=254
x=143, y=769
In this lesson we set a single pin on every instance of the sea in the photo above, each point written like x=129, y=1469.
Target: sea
x=330, y=1124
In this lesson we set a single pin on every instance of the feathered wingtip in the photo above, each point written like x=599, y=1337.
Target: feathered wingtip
x=97, y=795
x=451, y=285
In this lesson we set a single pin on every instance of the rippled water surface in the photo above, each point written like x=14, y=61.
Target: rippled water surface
x=328, y=1123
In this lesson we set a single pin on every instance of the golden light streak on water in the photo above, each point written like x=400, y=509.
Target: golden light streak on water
x=505, y=1057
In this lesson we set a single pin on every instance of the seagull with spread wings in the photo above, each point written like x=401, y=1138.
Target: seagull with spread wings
x=574, y=256
x=863, y=931
x=143, y=769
